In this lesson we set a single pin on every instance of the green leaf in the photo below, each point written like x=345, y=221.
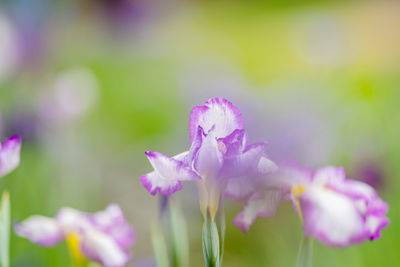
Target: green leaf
x=180, y=242
x=222, y=229
x=159, y=246
x=5, y=230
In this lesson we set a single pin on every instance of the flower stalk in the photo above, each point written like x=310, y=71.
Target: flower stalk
x=221, y=223
x=304, y=256
x=211, y=242
x=179, y=237
x=159, y=245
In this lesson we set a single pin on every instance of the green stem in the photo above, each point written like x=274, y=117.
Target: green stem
x=222, y=227
x=159, y=245
x=304, y=257
x=210, y=242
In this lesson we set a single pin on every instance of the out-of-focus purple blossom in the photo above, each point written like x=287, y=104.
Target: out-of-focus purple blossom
x=371, y=173
x=123, y=12
x=219, y=157
x=26, y=124
x=32, y=46
x=335, y=210
x=73, y=94
x=9, y=155
x=9, y=53
x=104, y=236
x=30, y=18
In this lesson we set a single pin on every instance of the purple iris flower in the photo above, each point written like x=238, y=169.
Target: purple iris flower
x=335, y=210
x=9, y=155
x=219, y=157
x=104, y=236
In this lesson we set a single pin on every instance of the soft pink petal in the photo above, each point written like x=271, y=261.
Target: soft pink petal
x=286, y=178
x=329, y=174
x=258, y=205
x=112, y=221
x=72, y=220
x=244, y=163
x=239, y=188
x=154, y=183
x=168, y=173
x=102, y=248
x=169, y=168
x=218, y=113
x=40, y=230
x=9, y=155
x=266, y=166
x=332, y=218
x=208, y=160
x=234, y=143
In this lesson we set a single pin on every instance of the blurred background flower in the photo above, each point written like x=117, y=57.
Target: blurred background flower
x=93, y=84
x=8, y=47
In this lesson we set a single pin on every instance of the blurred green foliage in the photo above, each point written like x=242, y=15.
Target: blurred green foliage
x=142, y=106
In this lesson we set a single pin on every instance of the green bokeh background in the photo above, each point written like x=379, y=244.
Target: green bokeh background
x=281, y=62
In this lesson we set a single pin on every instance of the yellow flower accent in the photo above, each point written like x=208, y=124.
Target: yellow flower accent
x=296, y=192
x=73, y=243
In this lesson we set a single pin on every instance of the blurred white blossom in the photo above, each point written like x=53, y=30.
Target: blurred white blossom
x=73, y=94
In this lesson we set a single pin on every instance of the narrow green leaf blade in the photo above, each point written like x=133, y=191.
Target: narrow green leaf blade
x=5, y=214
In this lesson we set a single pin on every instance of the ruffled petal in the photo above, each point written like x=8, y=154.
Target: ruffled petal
x=354, y=189
x=154, y=183
x=218, y=113
x=112, y=221
x=240, y=188
x=234, y=143
x=243, y=164
x=170, y=168
x=329, y=174
x=286, y=178
x=72, y=220
x=266, y=166
x=40, y=230
x=208, y=160
x=102, y=248
x=9, y=155
x=375, y=223
x=168, y=174
x=264, y=205
x=109, y=217
x=332, y=218
x=195, y=146
x=367, y=202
